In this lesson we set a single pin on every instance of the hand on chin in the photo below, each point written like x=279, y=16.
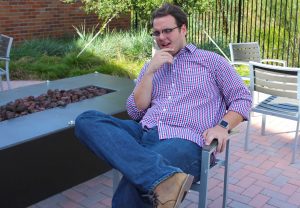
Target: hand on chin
x=172, y=51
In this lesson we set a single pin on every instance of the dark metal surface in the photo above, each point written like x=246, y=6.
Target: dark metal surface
x=35, y=170
x=32, y=126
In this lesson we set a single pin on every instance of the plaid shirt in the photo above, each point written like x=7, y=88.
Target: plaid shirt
x=192, y=95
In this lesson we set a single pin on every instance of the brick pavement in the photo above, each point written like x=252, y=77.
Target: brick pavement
x=261, y=177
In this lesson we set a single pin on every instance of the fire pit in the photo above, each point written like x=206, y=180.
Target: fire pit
x=39, y=154
x=51, y=99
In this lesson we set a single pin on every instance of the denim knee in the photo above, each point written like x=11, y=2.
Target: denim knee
x=89, y=114
x=84, y=120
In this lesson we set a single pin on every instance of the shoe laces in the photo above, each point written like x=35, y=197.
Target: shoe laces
x=153, y=198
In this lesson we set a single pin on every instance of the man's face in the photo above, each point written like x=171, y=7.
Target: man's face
x=166, y=36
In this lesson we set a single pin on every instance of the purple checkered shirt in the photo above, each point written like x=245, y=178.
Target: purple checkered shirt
x=192, y=95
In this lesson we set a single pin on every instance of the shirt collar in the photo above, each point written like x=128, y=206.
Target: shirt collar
x=188, y=48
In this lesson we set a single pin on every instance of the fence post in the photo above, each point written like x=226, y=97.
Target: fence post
x=239, y=21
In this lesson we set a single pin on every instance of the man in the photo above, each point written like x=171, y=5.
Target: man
x=184, y=97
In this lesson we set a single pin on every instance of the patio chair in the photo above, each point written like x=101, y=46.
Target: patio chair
x=282, y=84
x=202, y=185
x=5, y=46
x=242, y=53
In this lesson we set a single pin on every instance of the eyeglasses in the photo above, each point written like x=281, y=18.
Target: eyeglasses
x=164, y=31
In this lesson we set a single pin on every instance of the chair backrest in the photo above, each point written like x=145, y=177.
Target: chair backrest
x=5, y=45
x=275, y=80
x=244, y=52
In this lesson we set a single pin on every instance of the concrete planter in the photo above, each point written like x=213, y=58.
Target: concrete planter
x=39, y=154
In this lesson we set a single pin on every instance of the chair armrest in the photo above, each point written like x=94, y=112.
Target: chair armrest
x=275, y=61
x=211, y=147
x=4, y=58
x=239, y=63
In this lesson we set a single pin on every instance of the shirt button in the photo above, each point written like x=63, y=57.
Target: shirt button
x=169, y=98
x=164, y=109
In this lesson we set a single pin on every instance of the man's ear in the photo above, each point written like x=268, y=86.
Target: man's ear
x=184, y=29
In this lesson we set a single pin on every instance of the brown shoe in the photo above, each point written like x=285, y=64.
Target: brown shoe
x=171, y=191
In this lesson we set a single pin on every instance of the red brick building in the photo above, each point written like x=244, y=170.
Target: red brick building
x=31, y=19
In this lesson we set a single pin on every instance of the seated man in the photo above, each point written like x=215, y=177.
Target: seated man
x=184, y=98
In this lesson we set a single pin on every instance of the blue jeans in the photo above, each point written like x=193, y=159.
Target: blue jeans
x=139, y=154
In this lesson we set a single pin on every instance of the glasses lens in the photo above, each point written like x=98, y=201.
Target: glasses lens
x=167, y=30
x=155, y=33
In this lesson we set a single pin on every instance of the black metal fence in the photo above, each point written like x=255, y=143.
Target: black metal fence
x=274, y=24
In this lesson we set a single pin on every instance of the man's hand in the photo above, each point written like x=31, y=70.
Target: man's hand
x=160, y=57
x=218, y=133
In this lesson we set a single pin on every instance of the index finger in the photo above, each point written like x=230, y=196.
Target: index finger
x=208, y=139
x=167, y=49
x=221, y=145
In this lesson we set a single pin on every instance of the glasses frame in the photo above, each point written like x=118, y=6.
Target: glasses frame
x=165, y=31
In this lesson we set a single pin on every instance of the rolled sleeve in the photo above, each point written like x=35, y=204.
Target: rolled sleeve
x=242, y=106
x=132, y=109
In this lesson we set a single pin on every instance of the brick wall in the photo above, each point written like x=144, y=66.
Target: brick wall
x=31, y=19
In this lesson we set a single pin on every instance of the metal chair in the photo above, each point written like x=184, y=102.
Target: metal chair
x=206, y=165
x=242, y=53
x=5, y=46
x=202, y=185
x=283, y=86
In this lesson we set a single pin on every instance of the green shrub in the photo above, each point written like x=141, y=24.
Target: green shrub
x=50, y=47
x=115, y=53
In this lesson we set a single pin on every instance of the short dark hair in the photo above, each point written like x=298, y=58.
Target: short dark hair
x=173, y=10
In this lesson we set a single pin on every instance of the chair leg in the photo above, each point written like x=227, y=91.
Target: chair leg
x=1, y=83
x=295, y=144
x=246, y=147
x=116, y=179
x=203, y=179
x=256, y=98
x=263, y=125
x=7, y=75
x=226, y=173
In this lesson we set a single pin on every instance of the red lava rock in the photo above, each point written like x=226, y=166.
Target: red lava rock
x=50, y=99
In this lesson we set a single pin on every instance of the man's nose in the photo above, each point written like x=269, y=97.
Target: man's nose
x=161, y=35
